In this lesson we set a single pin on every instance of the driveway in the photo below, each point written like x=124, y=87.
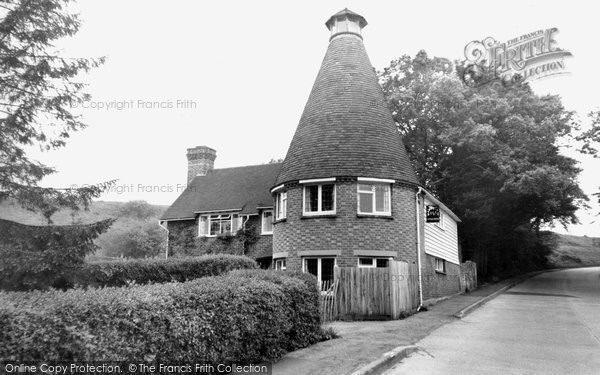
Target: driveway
x=549, y=324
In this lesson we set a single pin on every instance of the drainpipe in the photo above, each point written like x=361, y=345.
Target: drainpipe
x=419, y=248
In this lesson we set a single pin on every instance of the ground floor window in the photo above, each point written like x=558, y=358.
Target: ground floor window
x=440, y=265
x=280, y=264
x=373, y=262
x=322, y=268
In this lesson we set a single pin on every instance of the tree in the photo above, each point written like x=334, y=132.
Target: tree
x=140, y=241
x=37, y=89
x=489, y=151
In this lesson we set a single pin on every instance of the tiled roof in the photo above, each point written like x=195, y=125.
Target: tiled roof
x=244, y=188
x=346, y=128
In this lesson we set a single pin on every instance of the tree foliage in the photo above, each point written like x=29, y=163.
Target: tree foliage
x=490, y=152
x=145, y=240
x=37, y=89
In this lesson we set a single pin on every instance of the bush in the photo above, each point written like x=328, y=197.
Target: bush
x=238, y=318
x=38, y=257
x=144, y=271
x=302, y=305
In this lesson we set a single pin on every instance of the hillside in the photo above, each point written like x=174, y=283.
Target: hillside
x=136, y=225
x=572, y=251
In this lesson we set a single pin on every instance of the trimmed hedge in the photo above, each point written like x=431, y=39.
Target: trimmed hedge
x=305, y=317
x=244, y=317
x=145, y=271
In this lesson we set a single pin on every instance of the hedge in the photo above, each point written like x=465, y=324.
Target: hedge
x=244, y=317
x=145, y=271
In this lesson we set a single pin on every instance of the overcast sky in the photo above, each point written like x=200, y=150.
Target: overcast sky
x=242, y=72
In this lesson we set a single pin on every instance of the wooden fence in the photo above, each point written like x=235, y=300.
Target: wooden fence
x=373, y=292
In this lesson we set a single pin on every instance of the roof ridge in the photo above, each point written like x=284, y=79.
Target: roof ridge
x=246, y=166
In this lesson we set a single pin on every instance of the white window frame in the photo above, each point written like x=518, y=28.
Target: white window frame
x=441, y=224
x=439, y=265
x=281, y=206
x=280, y=264
x=235, y=218
x=373, y=197
x=319, y=259
x=263, y=220
x=374, y=262
x=319, y=211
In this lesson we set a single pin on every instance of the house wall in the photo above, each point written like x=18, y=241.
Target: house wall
x=436, y=242
x=184, y=240
x=436, y=284
x=442, y=242
x=345, y=233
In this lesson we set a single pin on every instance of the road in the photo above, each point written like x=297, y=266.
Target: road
x=549, y=324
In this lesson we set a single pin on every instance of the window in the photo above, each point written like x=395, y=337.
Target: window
x=267, y=222
x=373, y=262
x=319, y=199
x=440, y=265
x=322, y=268
x=215, y=225
x=280, y=264
x=374, y=199
x=281, y=206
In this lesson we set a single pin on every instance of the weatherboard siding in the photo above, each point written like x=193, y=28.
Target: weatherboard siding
x=442, y=243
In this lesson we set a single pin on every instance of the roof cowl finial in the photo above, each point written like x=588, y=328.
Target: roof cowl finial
x=346, y=22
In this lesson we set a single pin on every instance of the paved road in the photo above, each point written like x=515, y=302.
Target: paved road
x=549, y=324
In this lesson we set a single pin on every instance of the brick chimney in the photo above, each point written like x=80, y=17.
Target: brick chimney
x=201, y=159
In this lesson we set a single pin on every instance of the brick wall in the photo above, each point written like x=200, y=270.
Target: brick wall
x=435, y=284
x=346, y=231
x=184, y=240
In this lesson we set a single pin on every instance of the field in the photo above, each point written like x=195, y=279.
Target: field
x=572, y=251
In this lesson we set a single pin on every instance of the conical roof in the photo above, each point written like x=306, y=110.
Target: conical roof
x=346, y=129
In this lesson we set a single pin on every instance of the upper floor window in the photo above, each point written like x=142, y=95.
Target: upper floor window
x=374, y=198
x=281, y=206
x=319, y=199
x=215, y=225
x=267, y=222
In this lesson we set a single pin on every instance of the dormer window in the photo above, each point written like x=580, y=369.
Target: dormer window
x=319, y=198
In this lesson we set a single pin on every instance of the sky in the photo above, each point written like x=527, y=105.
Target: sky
x=235, y=76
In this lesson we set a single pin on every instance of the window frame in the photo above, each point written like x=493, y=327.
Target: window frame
x=319, y=211
x=234, y=218
x=281, y=202
x=436, y=265
x=373, y=193
x=262, y=222
x=280, y=264
x=374, y=262
x=319, y=265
